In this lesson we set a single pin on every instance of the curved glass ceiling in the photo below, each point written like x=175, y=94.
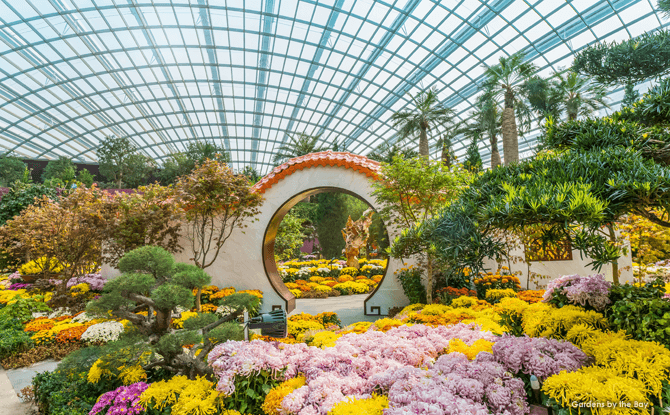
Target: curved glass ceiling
x=245, y=73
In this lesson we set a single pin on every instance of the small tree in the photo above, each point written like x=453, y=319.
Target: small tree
x=70, y=231
x=12, y=169
x=415, y=190
x=121, y=163
x=85, y=177
x=216, y=202
x=473, y=160
x=61, y=171
x=146, y=217
x=180, y=164
x=290, y=237
x=153, y=282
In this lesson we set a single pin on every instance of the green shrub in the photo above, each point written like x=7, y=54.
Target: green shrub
x=12, y=338
x=641, y=311
x=22, y=310
x=56, y=393
x=410, y=279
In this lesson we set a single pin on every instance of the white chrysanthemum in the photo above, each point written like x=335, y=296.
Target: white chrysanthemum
x=103, y=332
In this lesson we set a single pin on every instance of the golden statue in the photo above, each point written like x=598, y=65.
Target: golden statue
x=355, y=237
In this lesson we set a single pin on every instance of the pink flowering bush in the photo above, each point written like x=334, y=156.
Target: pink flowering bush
x=95, y=281
x=537, y=356
x=454, y=385
x=591, y=292
x=121, y=401
x=349, y=369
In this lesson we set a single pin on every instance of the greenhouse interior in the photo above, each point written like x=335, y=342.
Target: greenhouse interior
x=334, y=207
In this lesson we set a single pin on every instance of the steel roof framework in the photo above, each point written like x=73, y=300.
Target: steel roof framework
x=248, y=74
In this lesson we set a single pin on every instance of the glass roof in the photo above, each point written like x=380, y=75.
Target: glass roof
x=248, y=73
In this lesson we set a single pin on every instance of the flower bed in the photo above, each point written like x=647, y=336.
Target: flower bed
x=322, y=278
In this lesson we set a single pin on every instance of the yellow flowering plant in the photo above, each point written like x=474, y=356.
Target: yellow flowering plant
x=274, y=398
x=373, y=405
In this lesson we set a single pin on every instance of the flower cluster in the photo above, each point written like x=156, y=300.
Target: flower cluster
x=537, y=355
x=347, y=369
x=106, y=331
x=497, y=294
x=184, y=396
x=502, y=279
x=591, y=291
x=531, y=296
x=95, y=281
x=124, y=400
x=454, y=385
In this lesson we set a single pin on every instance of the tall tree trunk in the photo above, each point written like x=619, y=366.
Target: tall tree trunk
x=495, y=154
x=429, y=280
x=510, y=137
x=572, y=116
x=423, y=143
x=615, y=263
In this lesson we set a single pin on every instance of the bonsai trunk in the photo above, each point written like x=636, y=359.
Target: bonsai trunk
x=198, y=306
x=162, y=323
x=509, y=131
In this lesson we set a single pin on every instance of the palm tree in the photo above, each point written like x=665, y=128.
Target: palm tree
x=577, y=95
x=385, y=153
x=507, y=79
x=428, y=113
x=300, y=145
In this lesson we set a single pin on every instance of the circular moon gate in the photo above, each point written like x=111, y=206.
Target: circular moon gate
x=247, y=260
x=271, y=232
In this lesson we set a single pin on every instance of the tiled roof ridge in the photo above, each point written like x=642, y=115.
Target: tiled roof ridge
x=344, y=159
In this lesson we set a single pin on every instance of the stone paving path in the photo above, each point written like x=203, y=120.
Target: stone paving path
x=349, y=308
x=11, y=383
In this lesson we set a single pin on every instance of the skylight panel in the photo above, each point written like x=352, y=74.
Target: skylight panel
x=606, y=27
x=561, y=16
x=642, y=26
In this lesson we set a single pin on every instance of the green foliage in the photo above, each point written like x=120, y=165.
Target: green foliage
x=190, y=276
x=250, y=392
x=56, y=393
x=242, y=301
x=171, y=344
x=412, y=286
x=331, y=218
x=180, y=164
x=226, y=331
x=630, y=96
x=13, y=339
x=385, y=153
x=79, y=362
x=168, y=296
x=21, y=196
x=84, y=176
x=290, y=237
x=641, y=312
x=252, y=174
x=151, y=259
x=300, y=145
x=427, y=115
x=200, y=321
x=12, y=169
x=630, y=61
x=512, y=322
x=121, y=162
x=22, y=309
x=473, y=161
x=62, y=169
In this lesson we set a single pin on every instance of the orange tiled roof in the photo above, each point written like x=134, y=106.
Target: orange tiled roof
x=355, y=162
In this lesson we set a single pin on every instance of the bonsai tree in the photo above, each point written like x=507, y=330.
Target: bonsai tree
x=151, y=281
x=216, y=202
